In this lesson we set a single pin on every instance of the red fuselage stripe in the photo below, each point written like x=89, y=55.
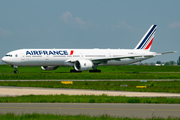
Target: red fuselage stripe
x=71, y=52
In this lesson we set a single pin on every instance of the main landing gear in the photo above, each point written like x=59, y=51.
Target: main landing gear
x=15, y=68
x=91, y=71
x=95, y=70
x=74, y=71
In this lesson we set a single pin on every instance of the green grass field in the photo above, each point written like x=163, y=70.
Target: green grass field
x=86, y=99
x=108, y=72
x=127, y=68
x=152, y=86
x=34, y=116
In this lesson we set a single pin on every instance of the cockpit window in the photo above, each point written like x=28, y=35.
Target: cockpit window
x=8, y=55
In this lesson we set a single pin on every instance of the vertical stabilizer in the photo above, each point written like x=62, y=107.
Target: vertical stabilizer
x=146, y=41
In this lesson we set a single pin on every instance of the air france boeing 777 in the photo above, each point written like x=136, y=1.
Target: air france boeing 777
x=83, y=59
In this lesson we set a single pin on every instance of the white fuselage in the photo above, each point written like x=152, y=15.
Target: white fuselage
x=67, y=57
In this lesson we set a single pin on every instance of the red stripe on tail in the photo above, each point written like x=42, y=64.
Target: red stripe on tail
x=149, y=45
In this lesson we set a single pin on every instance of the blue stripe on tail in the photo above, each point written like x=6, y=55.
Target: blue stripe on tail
x=151, y=32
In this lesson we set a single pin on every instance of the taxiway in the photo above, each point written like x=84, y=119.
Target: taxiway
x=95, y=109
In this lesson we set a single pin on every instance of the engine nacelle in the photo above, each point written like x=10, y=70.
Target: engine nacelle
x=83, y=65
x=49, y=67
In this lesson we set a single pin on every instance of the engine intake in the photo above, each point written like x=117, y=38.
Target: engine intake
x=49, y=67
x=83, y=65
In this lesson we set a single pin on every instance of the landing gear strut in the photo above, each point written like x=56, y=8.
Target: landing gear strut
x=95, y=70
x=15, y=68
x=73, y=70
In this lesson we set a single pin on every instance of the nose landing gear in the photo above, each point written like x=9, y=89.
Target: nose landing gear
x=15, y=68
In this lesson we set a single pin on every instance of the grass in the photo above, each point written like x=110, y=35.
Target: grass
x=127, y=68
x=35, y=116
x=107, y=75
x=108, y=72
x=86, y=99
x=152, y=86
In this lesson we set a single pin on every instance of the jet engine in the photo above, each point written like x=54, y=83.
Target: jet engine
x=49, y=67
x=83, y=65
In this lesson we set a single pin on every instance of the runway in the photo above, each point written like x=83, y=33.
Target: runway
x=18, y=91
x=95, y=109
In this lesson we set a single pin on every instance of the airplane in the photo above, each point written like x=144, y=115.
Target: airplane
x=83, y=59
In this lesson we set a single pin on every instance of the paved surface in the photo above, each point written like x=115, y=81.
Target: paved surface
x=18, y=91
x=95, y=109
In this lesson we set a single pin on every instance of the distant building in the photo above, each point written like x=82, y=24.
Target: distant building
x=159, y=63
x=146, y=64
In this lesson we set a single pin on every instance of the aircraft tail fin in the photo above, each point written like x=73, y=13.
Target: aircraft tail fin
x=146, y=41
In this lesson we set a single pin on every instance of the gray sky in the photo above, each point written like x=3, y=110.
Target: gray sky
x=89, y=24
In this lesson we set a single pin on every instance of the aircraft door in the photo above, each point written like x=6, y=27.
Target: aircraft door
x=109, y=55
x=81, y=55
x=46, y=61
x=47, y=57
x=22, y=57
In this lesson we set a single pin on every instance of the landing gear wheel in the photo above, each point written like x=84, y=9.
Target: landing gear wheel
x=95, y=71
x=15, y=71
x=72, y=70
x=15, y=68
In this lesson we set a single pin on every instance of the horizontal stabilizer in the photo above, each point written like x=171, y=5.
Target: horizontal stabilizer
x=168, y=52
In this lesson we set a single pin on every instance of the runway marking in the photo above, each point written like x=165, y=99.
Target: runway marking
x=86, y=108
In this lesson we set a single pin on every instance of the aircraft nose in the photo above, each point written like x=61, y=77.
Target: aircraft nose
x=4, y=59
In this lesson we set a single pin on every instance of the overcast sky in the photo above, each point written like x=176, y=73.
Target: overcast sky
x=89, y=24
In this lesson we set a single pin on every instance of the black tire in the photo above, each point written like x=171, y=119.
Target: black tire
x=95, y=71
x=15, y=71
x=74, y=71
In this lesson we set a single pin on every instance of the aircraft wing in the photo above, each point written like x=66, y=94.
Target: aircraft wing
x=120, y=57
x=112, y=58
x=105, y=59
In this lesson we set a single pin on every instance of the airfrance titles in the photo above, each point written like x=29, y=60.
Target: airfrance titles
x=44, y=52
